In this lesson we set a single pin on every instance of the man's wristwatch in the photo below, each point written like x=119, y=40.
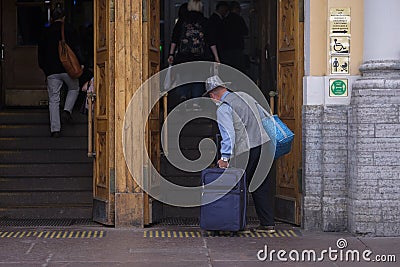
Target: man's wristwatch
x=225, y=159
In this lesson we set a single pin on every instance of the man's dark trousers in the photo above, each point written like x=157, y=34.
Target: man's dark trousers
x=264, y=196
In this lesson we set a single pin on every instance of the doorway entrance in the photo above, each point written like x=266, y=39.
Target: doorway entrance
x=273, y=52
x=42, y=177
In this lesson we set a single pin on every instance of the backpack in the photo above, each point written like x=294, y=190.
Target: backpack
x=192, y=40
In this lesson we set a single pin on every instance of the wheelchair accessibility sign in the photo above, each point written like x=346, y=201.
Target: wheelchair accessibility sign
x=339, y=45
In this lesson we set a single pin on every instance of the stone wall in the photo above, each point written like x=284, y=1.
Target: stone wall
x=325, y=138
x=351, y=157
x=374, y=121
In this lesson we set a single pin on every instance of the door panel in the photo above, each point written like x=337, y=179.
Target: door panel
x=103, y=173
x=151, y=65
x=23, y=80
x=289, y=86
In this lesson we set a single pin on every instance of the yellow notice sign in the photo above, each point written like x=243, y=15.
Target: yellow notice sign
x=339, y=20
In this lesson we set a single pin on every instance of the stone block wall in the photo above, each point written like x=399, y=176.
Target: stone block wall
x=325, y=141
x=374, y=123
x=351, y=157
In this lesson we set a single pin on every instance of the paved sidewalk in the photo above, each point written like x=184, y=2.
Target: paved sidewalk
x=173, y=246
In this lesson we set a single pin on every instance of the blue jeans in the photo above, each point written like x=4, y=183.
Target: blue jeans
x=54, y=83
x=191, y=90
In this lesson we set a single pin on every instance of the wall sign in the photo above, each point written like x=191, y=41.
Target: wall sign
x=339, y=20
x=338, y=87
x=339, y=41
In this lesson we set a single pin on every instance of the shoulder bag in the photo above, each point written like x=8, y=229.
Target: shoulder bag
x=68, y=58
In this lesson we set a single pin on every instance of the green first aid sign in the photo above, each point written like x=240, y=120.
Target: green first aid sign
x=338, y=87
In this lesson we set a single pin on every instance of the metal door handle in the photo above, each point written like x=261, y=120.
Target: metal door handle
x=2, y=52
x=91, y=100
x=272, y=95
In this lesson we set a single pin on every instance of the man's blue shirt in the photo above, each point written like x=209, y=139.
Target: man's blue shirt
x=225, y=125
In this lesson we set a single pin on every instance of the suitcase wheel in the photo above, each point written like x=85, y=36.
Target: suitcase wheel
x=232, y=234
x=214, y=233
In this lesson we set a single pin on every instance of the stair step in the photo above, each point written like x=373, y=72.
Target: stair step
x=44, y=156
x=47, y=212
x=189, y=181
x=44, y=143
x=46, y=170
x=41, y=130
x=46, y=184
x=13, y=117
x=27, y=199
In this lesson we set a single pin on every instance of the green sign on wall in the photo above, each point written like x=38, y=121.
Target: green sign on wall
x=338, y=87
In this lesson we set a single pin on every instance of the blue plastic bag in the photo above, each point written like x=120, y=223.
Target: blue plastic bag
x=279, y=133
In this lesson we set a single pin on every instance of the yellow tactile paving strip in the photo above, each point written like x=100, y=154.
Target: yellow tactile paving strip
x=53, y=234
x=196, y=234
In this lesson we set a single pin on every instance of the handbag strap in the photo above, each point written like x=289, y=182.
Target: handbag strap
x=62, y=32
x=270, y=116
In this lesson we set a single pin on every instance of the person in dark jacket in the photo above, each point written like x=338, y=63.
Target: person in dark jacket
x=52, y=67
x=235, y=29
x=216, y=22
x=191, y=41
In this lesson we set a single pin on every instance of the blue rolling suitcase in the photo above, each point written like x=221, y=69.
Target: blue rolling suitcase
x=227, y=213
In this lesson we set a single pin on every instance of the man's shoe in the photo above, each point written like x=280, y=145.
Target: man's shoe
x=66, y=117
x=55, y=134
x=265, y=229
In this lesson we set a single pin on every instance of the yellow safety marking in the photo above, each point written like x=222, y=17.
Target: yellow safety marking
x=53, y=234
x=194, y=234
x=70, y=234
x=293, y=233
x=287, y=233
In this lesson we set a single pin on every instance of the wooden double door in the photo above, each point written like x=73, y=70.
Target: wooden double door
x=126, y=53
x=126, y=49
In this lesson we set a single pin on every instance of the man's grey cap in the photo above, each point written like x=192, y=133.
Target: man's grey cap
x=214, y=82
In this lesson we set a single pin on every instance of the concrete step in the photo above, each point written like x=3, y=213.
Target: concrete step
x=15, y=184
x=44, y=156
x=35, y=198
x=46, y=170
x=43, y=143
x=41, y=130
x=34, y=116
x=47, y=212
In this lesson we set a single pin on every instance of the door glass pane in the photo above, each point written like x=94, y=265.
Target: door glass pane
x=31, y=20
